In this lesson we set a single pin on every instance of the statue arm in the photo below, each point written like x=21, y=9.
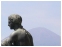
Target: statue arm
x=30, y=39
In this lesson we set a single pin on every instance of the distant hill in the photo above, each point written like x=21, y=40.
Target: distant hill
x=45, y=37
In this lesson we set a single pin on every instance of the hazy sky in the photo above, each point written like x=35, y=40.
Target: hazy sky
x=34, y=14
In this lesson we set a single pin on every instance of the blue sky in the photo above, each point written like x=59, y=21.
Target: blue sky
x=34, y=14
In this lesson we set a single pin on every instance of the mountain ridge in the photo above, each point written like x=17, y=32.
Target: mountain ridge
x=45, y=37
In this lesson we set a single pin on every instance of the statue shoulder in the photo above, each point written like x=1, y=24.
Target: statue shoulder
x=18, y=32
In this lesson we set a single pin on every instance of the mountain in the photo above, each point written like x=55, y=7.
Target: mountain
x=45, y=37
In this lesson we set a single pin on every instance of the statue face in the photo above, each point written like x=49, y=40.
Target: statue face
x=11, y=23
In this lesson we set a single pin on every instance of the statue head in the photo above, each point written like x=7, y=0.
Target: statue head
x=14, y=20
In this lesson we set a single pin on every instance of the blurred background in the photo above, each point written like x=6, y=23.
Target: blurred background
x=41, y=18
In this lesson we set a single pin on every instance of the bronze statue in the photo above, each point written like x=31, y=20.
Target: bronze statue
x=20, y=36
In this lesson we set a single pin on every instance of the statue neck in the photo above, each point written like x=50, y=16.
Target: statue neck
x=16, y=27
